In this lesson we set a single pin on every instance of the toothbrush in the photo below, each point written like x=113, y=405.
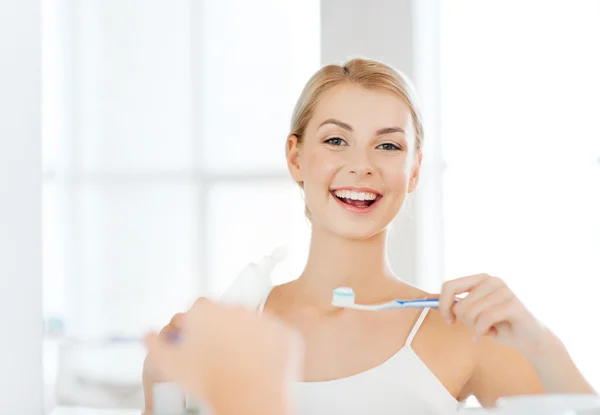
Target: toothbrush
x=116, y=339
x=344, y=297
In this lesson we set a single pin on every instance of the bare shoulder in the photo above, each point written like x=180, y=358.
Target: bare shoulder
x=278, y=301
x=494, y=369
x=446, y=349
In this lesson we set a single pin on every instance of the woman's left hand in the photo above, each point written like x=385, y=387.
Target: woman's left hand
x=492, y=309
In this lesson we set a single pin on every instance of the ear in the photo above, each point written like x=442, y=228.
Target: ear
x=415, y=172
x=293, y=152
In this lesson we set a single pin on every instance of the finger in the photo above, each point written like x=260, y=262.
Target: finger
x=484, y=288
x=452, y=288
x=200, y=301
x=177, y=320
x=492, y=317
x=468, y=309
x=174, y=323
x=204, y=311
x=165, y=357
x=172, y=330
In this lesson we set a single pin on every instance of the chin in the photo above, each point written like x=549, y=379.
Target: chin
x=355, y=230
x=357, y=234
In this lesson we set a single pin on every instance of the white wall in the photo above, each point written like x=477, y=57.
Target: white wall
x=402, y=33
x=20, y=215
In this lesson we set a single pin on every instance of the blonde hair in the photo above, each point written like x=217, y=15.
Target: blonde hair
x=367, y=73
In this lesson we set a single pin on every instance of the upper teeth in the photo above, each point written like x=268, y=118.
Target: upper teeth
x=349, y=194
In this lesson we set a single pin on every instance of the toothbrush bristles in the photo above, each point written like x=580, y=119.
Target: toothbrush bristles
x=343, y=297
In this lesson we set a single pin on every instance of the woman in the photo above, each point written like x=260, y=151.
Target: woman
x=355, y=148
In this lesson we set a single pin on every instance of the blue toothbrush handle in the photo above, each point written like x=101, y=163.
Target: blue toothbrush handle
x=422, y=303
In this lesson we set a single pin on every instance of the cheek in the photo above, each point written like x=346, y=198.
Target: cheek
x=320, y=167
x=397, y=175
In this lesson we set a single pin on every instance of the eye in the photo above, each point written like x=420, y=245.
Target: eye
x=335, y=141
x=389, y=147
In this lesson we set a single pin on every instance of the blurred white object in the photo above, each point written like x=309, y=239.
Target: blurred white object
x=71, y=410
x=251, y=286
x=254, y=283
x=105, y=373
x=100, y=374
x=168, y=399
x=557, y=404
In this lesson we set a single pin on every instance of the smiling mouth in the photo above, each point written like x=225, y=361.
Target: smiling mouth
x=360, y=200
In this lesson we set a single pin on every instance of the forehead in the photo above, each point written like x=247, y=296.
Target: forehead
x=362, y=108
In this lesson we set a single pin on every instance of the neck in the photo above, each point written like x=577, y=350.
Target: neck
x=334, y=261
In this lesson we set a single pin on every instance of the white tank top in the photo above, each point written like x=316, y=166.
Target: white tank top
x=403, y=384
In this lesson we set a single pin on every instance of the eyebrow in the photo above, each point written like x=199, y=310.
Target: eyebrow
x=390, y=130
x=338, y=123
x=346, y=126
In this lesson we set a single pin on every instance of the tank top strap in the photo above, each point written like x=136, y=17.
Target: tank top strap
x=416, y=326
x=261, y=306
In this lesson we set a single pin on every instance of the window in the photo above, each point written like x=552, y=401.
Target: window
x=158, y=143
x=520, y=138
x=162, y=125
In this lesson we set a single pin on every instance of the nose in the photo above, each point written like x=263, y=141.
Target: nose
x=360, y=165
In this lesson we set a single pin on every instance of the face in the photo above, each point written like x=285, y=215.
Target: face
x=357, y=162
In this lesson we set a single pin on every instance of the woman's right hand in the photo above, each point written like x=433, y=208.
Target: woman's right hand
x=151, y=375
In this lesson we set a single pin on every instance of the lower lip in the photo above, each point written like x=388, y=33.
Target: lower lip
x=354, y=209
